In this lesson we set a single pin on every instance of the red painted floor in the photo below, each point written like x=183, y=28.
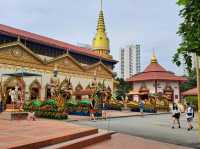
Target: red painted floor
x=122, y=141
x=15, y=133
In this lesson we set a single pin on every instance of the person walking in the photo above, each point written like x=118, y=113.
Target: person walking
x=104, y=112
x=1, y=105
x=92, y=110
x=175, y=115
x=141, y=106
x=189, y=116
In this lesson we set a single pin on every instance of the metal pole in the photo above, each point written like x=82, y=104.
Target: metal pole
x=198, y=87
x=41, y=87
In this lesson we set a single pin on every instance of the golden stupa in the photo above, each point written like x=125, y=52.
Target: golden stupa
x=153, y=58
x=101, y=44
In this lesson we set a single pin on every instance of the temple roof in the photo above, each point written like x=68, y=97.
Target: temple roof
x=155, y=67
x=154, y=71
x=190, y=92
x=47, y=41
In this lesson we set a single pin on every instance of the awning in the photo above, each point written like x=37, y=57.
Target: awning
x=190, y=92
x=22, y=74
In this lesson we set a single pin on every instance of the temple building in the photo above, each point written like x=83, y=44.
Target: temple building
x=37, y=63
x=156, y=80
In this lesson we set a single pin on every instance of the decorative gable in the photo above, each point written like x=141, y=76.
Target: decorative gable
x=66, y=63
x=17, y=54
x=100, y=69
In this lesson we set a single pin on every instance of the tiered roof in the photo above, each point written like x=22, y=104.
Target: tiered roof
x=154, y=71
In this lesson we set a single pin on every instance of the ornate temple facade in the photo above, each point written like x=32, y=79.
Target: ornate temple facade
x=156, y=80
x=53, y=63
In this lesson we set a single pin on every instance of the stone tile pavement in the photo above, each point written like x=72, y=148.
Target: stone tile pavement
x=122, y=141
x=16, y=133
x=113, y=114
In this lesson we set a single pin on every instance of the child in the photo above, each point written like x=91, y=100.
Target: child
x=189, y=116
x=176, y=116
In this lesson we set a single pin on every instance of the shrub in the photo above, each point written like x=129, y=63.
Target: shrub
x=71, y=105
x=27, y=106
x=50, y=102
x=51, y=115
x=46, y=109
x=36, y=103
x=116, y=106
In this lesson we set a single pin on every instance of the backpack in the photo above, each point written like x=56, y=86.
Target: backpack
x=190, y=111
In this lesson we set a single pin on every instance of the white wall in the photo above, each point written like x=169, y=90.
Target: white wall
x=161, y=87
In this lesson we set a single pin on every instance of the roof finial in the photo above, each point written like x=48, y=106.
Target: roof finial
x=153, y=52
x=18, y=38
x=101, y=5
x=153, y=58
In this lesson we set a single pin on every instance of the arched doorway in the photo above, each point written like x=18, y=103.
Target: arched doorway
x=144, y=92
x=168, y=93
x=10, y=84
x=78, y=88
x=35, y=90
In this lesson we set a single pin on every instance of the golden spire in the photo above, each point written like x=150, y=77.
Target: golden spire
x=100, y=42
x=101, y=5
x=153, y=58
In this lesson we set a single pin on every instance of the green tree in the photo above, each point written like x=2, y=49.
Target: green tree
x=189, y=31
x=192, y=81
x=122, y=89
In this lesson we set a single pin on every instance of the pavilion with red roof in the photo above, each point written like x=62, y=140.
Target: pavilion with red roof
x=156, y=80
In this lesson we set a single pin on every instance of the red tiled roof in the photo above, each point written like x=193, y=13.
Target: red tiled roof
x=155, y=71
x=155, y=67
x=47, y=41
x=190, y=92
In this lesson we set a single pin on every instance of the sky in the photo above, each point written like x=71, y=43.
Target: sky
x=151, y=23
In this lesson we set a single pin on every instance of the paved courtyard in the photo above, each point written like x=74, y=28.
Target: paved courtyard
x=112, y=114
x=17, y=133
x=157, y=127
x=123, y=141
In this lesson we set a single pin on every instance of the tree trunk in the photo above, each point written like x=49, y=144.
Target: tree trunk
x=198, y=86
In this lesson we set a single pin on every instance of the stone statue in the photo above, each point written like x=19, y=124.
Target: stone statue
x=14, y=94
x=54, y=84
x=66, y=88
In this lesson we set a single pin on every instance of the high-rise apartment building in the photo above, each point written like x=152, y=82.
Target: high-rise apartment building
x=129, y=61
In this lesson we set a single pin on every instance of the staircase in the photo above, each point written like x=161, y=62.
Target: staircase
x=9, y=108
x=79, y=143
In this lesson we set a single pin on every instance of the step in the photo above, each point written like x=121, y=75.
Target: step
x=13, y=115
x=83, y=141
x=10, y=106
x=57, y=140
